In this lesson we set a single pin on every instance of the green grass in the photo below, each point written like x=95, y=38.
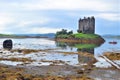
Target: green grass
x=63, y=36
x=7, y=35
x=4, y=35
x=81, y=46
x=81, y=35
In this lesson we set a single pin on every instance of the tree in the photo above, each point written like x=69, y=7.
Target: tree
x=79, y=31
x=64, y=31
x=70, y=32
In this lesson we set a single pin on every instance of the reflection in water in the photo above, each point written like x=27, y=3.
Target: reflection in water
x=84, y=50
x=61, y=44
x=80, y=47
x=91, y=50
x=85, y=58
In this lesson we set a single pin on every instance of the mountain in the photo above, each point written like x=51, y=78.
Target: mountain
x=48, y=35
x=112, y=36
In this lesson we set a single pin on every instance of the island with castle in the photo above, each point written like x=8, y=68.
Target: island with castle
x=86, y=33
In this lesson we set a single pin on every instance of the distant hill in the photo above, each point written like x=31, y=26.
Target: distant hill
x=48, y=35
x=112, y=36
x=6, y=35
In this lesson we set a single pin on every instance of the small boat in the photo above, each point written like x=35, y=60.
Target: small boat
x=113, y=42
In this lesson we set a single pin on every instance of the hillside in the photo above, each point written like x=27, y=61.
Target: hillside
x=112, y=36
x=48, y=35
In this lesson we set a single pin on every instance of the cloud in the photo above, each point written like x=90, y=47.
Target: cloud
x=93, y=5
x=21, y=23
x=5, y=19
x=33, y=22
x=109, y=16
x=33, y=30
x=101, y=15
x=41, y=16
x=44, y=30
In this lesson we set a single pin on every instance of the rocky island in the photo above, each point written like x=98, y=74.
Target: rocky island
x=86, y=33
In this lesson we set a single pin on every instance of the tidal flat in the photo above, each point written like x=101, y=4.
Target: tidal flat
x=45, y=59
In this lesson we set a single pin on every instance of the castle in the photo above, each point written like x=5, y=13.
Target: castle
x=87, y=25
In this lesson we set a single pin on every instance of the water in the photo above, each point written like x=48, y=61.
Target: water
x=108, y=47
x=55, y=53
x=31, y=43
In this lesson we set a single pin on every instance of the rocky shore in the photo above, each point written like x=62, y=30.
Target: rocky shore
x=58, y=72
x=43, y=73
x=98, y=40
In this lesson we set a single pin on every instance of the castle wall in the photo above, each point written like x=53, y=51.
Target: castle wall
x=87, y=25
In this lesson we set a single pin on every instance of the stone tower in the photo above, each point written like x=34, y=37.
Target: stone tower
x=87, y=25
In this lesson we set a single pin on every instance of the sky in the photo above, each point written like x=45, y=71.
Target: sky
x=49, y=16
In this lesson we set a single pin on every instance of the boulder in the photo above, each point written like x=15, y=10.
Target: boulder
x=7, y=44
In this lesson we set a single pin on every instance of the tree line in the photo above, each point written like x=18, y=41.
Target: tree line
x=64, y=32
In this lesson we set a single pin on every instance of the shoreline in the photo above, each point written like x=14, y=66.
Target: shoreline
x=80, y=40
x=57, y=72
x=41, y=73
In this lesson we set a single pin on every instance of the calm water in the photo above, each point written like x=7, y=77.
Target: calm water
x=55, y=55
x=42, y=43
x=56, y=48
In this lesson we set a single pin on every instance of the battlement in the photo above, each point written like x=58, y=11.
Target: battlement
x=87, y=25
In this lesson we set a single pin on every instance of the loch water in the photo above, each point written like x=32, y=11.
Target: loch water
x=55, y=48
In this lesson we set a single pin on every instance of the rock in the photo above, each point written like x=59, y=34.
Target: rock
x=80, y=72
x=7, y=44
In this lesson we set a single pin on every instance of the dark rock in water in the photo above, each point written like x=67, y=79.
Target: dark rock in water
x=7, y=44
